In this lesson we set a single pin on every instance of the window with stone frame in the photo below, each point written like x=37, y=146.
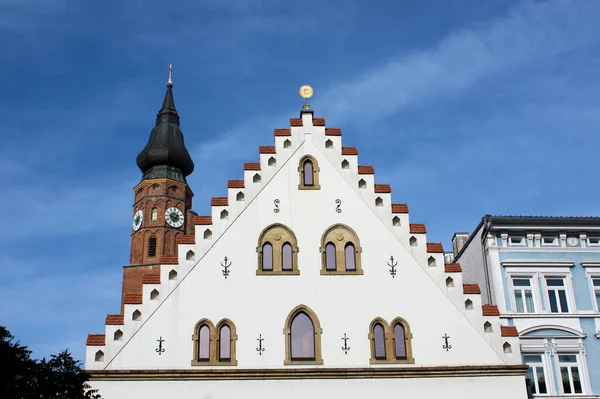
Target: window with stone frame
x=390, y=343
x=340, y=251
x=277, y=251
x=308, y=170
x=214, y=346
x=302, y=332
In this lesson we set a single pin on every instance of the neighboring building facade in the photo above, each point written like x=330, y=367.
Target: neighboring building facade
x=543, y=274
x=304, y=281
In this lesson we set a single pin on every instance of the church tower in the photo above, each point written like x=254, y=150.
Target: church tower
x=162, y=208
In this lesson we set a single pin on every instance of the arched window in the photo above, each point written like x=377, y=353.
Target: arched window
x=340, y=251
x=154, y=216
x=277, y=251
x=214, y=346
x=303, y=337
x=309, y=173
x=390, y=345
x=267, y=257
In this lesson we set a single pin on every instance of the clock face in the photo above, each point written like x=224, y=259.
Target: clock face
x=174, y=217
x=137, y=220
x=572, y=241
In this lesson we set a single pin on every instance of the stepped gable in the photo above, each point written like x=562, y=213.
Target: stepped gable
x=114, y=320
x=471, y=289
x=169, y=260
x=452, y=268
x=235, y=184
x=132, y=299
x=349, y=151
x=203, y=220
x=96, y=340
x=295, y=122
x=151, y=279
x=416, y=228
x=186, y=239
x=383, y=188
x=282, y=132
x=366, y=170
x=490, y=310
x=219, y=201
x=509, y=331
x=435, y=247
x=266, y=149
x=399, y=208
x=332, y=131
x=252, y=166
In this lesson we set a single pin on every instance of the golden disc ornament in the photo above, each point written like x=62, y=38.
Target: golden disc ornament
x=306, y=91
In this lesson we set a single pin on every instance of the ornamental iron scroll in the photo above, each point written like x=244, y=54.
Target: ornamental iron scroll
x=160, y=350
x=225, y=265
x=338, y=207
x=392, y=264
x=446, y=345
x=260, y=348
x=345, y=348
x=276, y=202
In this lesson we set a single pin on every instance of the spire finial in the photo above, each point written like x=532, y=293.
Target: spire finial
x=170, y=82
x=306, y=92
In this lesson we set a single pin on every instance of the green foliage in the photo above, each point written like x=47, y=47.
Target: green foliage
x=22, y=377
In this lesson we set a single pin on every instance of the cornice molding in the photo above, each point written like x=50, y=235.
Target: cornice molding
x=538, y=263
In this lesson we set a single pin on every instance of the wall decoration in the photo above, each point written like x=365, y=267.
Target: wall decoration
x=276, y=202
x=392, y=264
x=345, y=348
x=260, y=348
x=446, y=345
x=160, y=348
x=225, y=265
x=338, y=208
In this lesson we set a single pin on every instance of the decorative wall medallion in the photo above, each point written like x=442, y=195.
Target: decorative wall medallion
x=260, y=348
x=345, y=348
x=137, y=220
x=338, y=208
x=446, y=345
x=225, y=265
x=174, y=217
x=277, y=236
x=392, y=264
x=572, y=241
x=340, y=237
x=276, y=202
x=160, y=348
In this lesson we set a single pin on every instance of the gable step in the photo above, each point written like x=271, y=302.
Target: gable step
x=471, y=289
x=416, y=228
x=151, y=279
x=96, y=340
x=132, y=299
x=435, y=247
x=509, y=331
x=114, y=320
x=490, y=310
x=452, y=268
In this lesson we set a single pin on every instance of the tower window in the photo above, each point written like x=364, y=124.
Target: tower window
x=151, y=247
x=154, y=214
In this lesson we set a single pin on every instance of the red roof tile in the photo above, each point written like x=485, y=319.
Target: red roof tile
x=349, y=151
x=151, y=279
x=318, y=121
x=490, y=310
x=203, y=220
x=282, y=132
x=295, y=121
x=132, y=299
x=366, y=170
x=266, y=149
x=252, y=166
x=452, y=268
x=471, y=289
x=114, y=320
x=186, y=239
x=399, y=208
x=96, y=340
x=332, y=131
x=417, y=228
x=383, y=188
x=168, y=260
x=235, y=184
x=509, y=331
x=219, y=201
x=435, y=247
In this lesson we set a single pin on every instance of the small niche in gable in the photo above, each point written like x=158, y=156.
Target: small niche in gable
x=287, y=144
x=362, y=183
x=99, y=356
x=207, y=234
x=413, y=241
x=173, y=275
x=431, y=261
x=190, y=255
x=136, y=315
x=487, y=327
x=329, y=144
x=469, y=304
x=154, y=294
x=118, y=335
x=378, y=201
x=507, y=348
x=239, y=196
x=396, y=221
x=256, y=178
x=449, y=282
x=224, y=214
x=345, y=164
x=272, y=161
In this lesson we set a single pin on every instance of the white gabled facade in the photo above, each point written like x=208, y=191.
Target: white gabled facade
x=484, y=358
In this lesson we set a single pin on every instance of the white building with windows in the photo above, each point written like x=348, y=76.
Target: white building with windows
x=305, y=280
x=543, y=274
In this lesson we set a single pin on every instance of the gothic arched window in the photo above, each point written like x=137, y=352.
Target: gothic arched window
x=277, y=251
x=309, y=173
x=378, y=337
x=340, y=251
x=390, y=344
x=302, y=337
x=203, y=332
x=214, y=346
x=154, y=216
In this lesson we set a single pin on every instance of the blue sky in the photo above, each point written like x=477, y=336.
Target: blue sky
x=479, y=107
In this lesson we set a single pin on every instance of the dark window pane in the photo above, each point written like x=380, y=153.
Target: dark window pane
x=567, y=358
x=308, y=173
x=555, y=282
x=532, y=359
x=400, y=343
x=267, y=257
x=541, y=380
x=529, y=379
x=302, y=338
x=204, y=344
x=151, y=246
x=576, y=380
x=563, y=300
x=224, y=343
x=379, y=338
x=330, y=257
x=350, y=257
x=596, y=282
x=521, y=282
x=564, y=373
x=286, y=256
x=553, y=304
